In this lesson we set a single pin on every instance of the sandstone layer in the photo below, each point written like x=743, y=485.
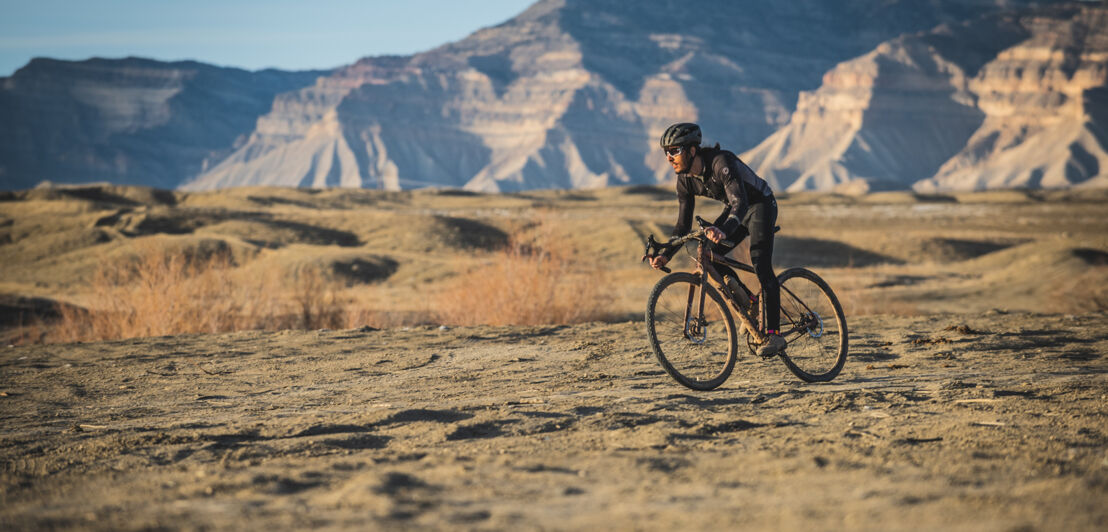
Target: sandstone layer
x=572, y=94
x=999, y=102
x=569, y=94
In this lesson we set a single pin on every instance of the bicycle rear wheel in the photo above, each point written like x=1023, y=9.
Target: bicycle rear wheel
x=813, y=323
x=698, y=351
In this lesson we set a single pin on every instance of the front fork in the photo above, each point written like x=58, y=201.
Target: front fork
x=694, y=316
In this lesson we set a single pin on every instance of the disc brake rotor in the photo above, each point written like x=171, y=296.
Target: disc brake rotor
x=695, y=331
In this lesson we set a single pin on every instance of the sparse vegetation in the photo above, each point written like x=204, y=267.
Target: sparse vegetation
x=161, y=292
x=526, y=285
x=286, y=258
x=165, y=293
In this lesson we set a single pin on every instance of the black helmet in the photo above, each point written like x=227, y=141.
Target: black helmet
x=683, y=134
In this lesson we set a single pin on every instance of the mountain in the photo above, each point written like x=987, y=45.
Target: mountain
x=1006, y=100
x=570, y=93
x=1045, y=103
x=128, y=121
x=819, y=94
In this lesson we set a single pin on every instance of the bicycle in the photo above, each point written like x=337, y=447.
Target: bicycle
x=692, y=330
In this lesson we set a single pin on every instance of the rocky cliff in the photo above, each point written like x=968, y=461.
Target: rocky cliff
x=1009, y=100
x=935, y=94
x=128, y=121
x=571, y=93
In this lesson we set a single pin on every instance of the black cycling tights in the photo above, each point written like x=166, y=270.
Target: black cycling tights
x=760, y=220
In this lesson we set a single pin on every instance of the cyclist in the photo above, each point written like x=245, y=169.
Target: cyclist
x=750, y=209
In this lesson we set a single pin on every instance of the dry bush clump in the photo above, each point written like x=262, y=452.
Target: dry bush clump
x=354, y=317
x=167, y=293
x=316, y=301
x=527, y=285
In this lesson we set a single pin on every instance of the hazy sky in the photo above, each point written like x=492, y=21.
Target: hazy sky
x=251, y=34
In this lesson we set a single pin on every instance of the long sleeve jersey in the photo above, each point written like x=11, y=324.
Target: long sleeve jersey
x=720, y=175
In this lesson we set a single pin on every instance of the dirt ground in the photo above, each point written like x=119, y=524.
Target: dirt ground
x=975, y=396
x=993, y=422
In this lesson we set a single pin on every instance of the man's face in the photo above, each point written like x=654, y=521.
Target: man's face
x=679, y=157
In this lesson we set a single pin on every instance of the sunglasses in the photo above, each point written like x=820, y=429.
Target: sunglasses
x=674, y=151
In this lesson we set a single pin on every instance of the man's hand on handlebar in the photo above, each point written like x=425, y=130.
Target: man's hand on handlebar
x=659, y=262
x=714, y=234
x=656, y=251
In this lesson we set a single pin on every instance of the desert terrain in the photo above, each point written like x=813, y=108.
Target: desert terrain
x=975, y=396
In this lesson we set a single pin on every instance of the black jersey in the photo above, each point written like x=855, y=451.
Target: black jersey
x=720, y=175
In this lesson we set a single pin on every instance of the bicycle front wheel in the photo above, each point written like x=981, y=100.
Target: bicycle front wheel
x=697, y=348
x=813, y=323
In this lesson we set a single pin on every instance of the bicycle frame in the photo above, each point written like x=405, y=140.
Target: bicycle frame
x=694, y=309
x=809, y=311
x=705, y=258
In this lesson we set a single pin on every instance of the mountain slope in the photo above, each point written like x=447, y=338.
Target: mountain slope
x=1046, y=110
x=128, y=121
x=1001, y=101
x=568, y=94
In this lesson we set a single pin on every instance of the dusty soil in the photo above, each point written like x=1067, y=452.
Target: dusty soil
x=975, y=396
x=997, y=421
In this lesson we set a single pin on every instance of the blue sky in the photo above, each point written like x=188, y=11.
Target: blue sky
x=251, y=34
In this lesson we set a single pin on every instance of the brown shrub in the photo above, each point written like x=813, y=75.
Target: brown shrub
x=168, y=293
x=316, y=300
x=164, y=293
x=526, y=285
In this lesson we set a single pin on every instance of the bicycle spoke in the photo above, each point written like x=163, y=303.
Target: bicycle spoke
x=815, y=326
x=698, y=349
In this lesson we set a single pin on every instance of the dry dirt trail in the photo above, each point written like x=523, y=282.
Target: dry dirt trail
x=994, y=422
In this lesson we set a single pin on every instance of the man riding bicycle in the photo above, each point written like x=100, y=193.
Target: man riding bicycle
x=750, y=209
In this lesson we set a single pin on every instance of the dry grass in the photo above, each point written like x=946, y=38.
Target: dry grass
x=50, y=244
x=161, y=293
x=164, y=293
x=527, y=285
x=316, y=301
x=364, y=306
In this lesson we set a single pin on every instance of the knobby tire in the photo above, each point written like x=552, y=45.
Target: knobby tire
x=704, y=361
x=813, y=323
